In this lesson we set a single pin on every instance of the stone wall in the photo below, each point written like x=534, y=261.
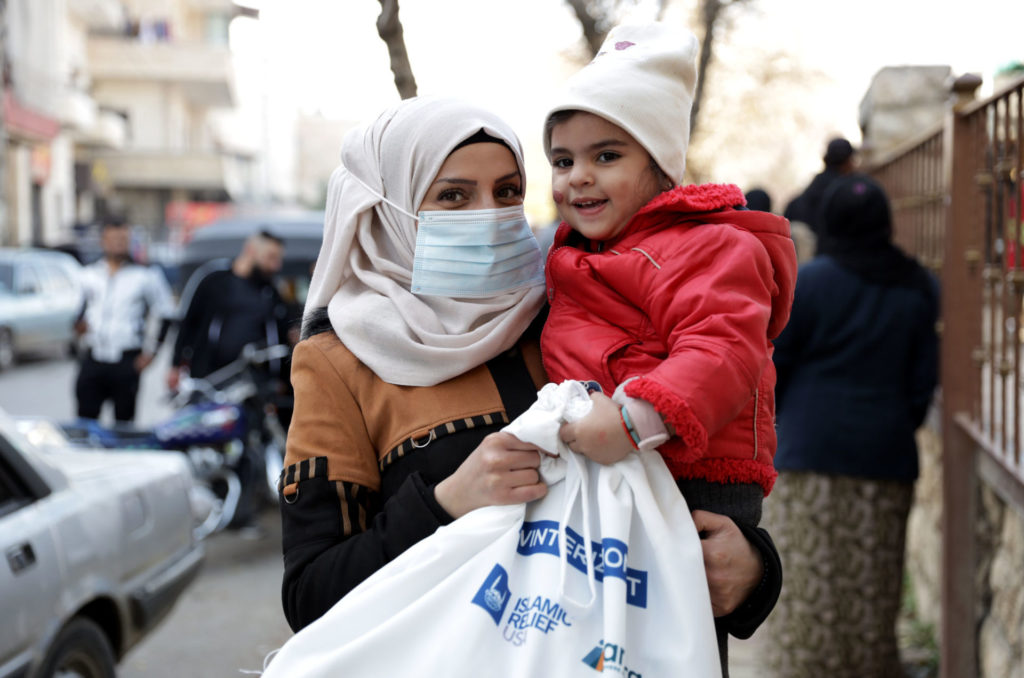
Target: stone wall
x=901, y=103
x=1001, y=638
x=1000, y=563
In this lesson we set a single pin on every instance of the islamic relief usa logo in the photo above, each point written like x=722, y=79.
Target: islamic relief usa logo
x=493, y=595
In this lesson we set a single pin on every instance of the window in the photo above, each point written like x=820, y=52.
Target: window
x=27, y=281
x=20, y=483
x=6, y=278
x=13, y=492
x=55, y=279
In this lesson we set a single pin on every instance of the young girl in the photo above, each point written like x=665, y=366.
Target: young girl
x=666, y=295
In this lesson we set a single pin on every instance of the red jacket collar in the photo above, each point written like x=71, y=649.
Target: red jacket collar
x=696, y=198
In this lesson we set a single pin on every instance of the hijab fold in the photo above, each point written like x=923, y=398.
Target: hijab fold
x=363, y=273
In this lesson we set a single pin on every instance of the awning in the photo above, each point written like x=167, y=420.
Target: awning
x=26, y=124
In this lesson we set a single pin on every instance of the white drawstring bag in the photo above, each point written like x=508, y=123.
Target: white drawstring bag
x=605, y=573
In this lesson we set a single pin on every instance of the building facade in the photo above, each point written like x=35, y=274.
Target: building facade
x=110, y=106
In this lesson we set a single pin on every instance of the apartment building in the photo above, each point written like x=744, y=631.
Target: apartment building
x=167, y=71
x=111, y=106
x=49, y=114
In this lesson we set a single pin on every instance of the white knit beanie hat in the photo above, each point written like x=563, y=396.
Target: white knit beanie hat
x=643, y=80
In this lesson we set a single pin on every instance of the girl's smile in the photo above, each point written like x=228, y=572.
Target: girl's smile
x=601, y=176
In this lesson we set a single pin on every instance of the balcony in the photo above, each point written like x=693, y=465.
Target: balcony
x=203, y=71
x=103, y=15
x=188, y=170
x=226, y=6
x=79, y=110
x=109, y=130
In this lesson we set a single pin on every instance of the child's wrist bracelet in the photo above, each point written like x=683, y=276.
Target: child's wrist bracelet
x=627, y=425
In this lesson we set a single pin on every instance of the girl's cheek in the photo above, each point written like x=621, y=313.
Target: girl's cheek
x=558, y=197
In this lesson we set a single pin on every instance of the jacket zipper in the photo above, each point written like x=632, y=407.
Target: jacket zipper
x=757, y=393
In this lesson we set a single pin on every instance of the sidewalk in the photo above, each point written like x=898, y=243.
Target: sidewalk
x=745, y=657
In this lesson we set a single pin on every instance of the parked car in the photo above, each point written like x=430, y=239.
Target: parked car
x=98, y=546
x=40, y=297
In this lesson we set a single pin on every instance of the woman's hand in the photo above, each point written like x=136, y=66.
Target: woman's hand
x=599, y=435
x=734, y=567
x=501, y=470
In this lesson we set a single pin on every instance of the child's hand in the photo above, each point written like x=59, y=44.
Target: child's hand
x=599, y=435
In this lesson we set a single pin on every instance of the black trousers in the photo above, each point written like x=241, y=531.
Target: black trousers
x=99, y=382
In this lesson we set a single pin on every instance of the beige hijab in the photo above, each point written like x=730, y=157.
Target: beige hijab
x=364, y=272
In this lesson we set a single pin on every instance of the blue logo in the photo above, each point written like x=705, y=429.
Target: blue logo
x=610, y=657
x=541, y=536
x=493, y=595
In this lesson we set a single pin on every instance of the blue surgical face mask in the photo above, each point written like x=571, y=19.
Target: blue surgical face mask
x=475, y=253
x=472, y=254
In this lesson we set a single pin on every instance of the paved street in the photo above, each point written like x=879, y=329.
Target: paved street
x=227, y=621
x=230, y=618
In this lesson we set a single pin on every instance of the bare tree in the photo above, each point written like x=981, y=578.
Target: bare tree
x=597, y=17
x=710, y=15
x=389, y=27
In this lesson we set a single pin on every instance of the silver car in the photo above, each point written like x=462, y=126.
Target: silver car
x=40, y=298
x=97, y=546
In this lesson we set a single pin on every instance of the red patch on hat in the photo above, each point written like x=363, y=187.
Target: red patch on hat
x=625, y=44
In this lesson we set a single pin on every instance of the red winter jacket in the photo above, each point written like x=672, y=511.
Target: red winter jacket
x=688, y=297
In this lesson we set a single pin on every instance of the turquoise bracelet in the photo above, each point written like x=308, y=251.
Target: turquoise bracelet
x=629, y=425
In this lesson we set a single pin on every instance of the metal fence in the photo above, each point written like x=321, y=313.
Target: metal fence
x=957, y=204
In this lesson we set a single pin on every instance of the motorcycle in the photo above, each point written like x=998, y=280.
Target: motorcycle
x=228, y=426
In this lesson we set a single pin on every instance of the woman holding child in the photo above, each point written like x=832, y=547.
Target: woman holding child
x=421, y=341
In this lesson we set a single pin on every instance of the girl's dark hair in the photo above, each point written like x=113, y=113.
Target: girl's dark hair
x=555, y=119
x=558, y=117
x=665, y=182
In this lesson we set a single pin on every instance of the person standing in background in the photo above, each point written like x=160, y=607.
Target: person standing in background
x=758, y=199
x=231, y=308
x=120, y=299
x=857, y=365
x=840, y=160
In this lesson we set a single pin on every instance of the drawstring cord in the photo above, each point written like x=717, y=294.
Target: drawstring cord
x=579, y=490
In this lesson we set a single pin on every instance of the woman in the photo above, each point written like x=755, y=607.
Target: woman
x=420, y=343
x=857, y=365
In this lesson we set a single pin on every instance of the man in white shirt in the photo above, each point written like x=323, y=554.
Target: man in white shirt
x=120, y=299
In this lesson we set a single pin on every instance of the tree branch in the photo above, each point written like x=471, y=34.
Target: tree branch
x=590, y=24
x=389, y=27
x=710, y=9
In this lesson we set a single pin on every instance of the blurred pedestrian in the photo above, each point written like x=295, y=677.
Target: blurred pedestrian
x=231, y=308
x=758, y=199
x=857, y=365
x=839, y=159
x=228, y=310
x=121, y=297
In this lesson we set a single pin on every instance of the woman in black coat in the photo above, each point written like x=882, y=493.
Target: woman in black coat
x=857, y=366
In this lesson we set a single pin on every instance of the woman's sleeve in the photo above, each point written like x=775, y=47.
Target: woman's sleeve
x=335, y=530
x=711, y=304
x=741, y=503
